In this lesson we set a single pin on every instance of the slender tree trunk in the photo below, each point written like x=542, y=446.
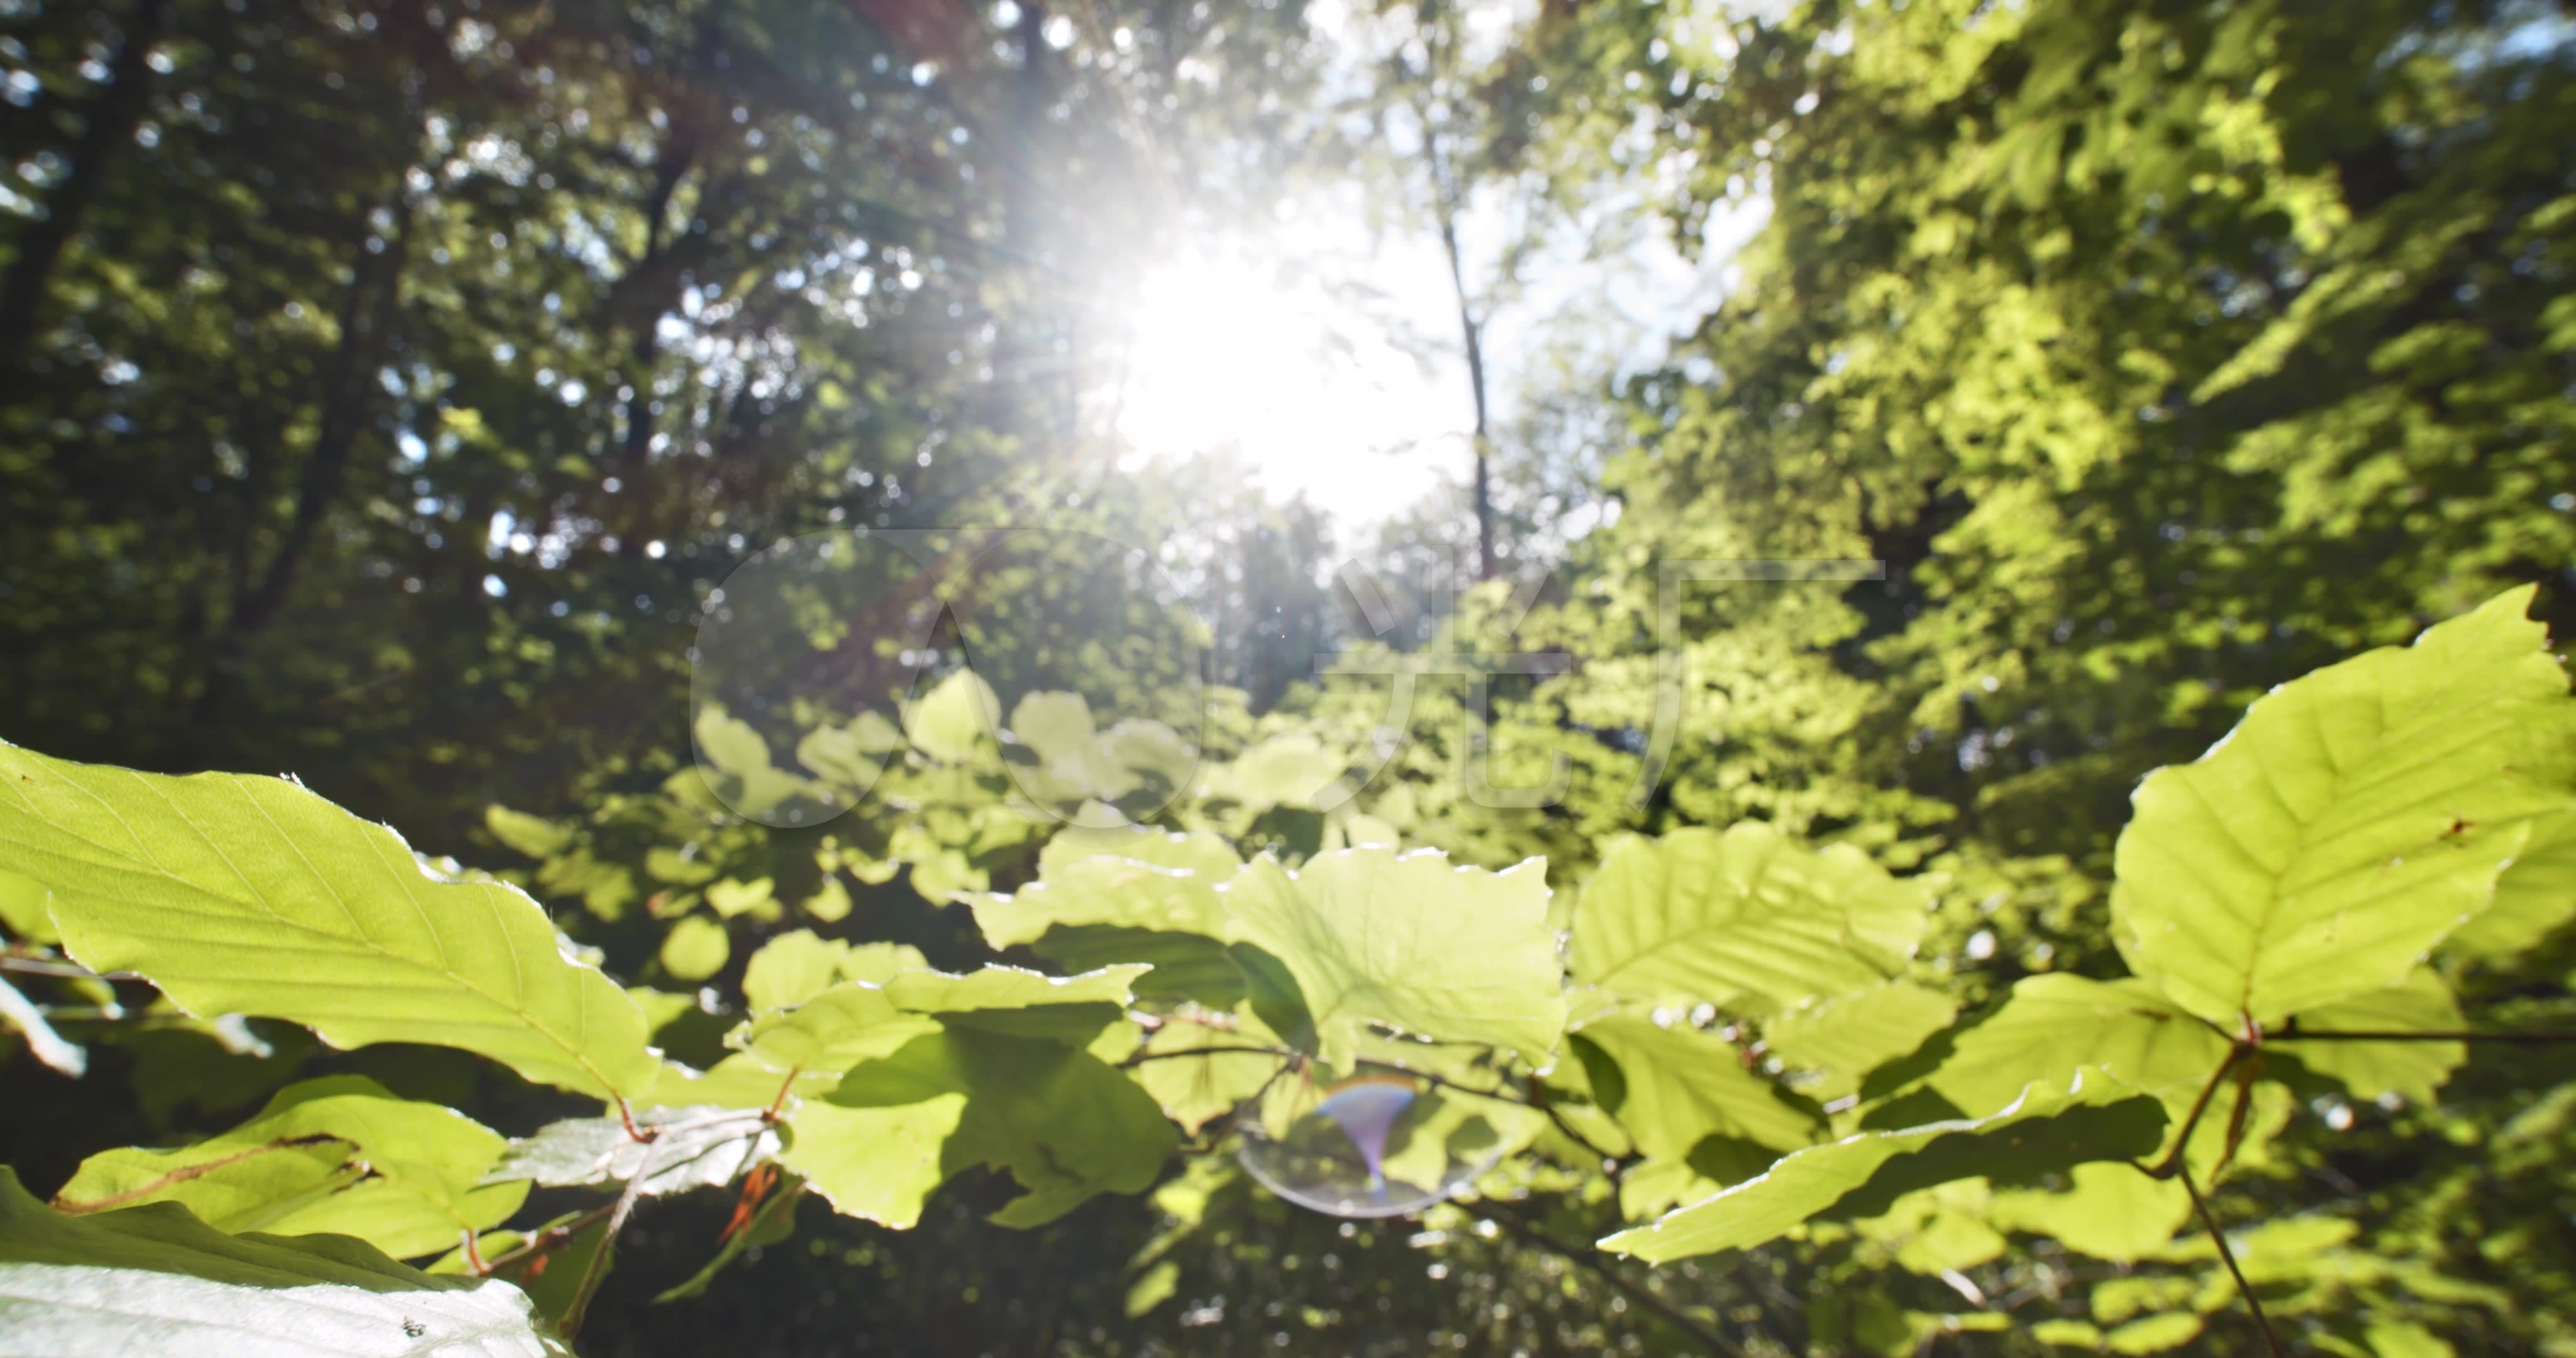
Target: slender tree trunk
x=367, y=310
x=1471, y=330
x=106, y=129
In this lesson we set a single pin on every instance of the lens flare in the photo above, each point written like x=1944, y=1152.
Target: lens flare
x=1372, y=1146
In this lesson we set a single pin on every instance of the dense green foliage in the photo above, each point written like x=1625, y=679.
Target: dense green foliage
x=2057, y=899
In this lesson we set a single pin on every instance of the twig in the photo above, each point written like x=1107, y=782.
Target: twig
x=547, y=1239
x=2247, y=1072
x=2302, y=1035
x=2228, y=1256
x=1671, y=1314
x=771, y=1114
x=2172, y=1163
x=591, y=1276
x=1142, y=1057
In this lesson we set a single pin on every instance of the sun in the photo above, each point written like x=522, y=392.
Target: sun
x=1236, y=347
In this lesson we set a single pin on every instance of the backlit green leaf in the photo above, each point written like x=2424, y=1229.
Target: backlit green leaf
x=792, y=968
x=253, y=896
x=837, y=1029
x=2421, y=1003
x=1067, y=1009
x=1748, y=919
x=955, y=719
x=2535, y=897
x=2045, y=1130
x=339, y=1154
x=1411, y=942
x=695, y=949
x=1683, y=1085
x=2354, y=818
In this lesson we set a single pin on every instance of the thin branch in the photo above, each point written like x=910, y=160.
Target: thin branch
x=591, y=1276
x=2247, y=1072
x=2172, y=1163
x=1140, y=1058
x=2228, y=1256
x=1520, y=1227
x=547, y=1239
x=2303, y=1035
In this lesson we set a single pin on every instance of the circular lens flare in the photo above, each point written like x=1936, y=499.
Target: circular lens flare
x=1372, y=1146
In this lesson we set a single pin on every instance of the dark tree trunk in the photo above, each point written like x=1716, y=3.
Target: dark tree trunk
x=106, y=128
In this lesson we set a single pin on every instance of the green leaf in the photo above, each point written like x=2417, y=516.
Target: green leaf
x=1410, y=942
x=1848, y=1036
x=253, y=896
x=1095, y=911
x=2155, y=1334
x=878, y=962
x=2421, y=1003
x=339, y=1154
x=877, y=1162
x=738, y=1081
x=1682, y=1086
x=730, y=897
x=852, y=755
x=955, y=719
x=1152, y=1288
x=26, y=914
x=1197, y=851
x=1193, y=1090
x=2535, y=898
x=1185, y=966
x=43, y=1042
x=155, y=1280
x=534, y=836
x=1124, y=892
x=1067, y=1009
x=692, y=1147
x=837, y=1029
x=2044, y=1131
x=738, y=753
x=1748, y=919
x=1066, y=1125
x=2056, y=1024
x=1058, y=728
x=695, y=949
x=2110, y=1211
x=792, y=968
x=2350, y=821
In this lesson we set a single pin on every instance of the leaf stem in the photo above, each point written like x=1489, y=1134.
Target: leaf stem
x=1142, y=1057
x=2172, y=1163
x=598, y=1269
x=547, y=1239
x=2227, y=1255
x=2303, y=1035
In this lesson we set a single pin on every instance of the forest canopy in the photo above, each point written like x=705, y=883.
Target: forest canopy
x=1816, y=678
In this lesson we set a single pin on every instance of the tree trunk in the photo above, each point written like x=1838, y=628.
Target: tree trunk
x=367, y=310
x=1472, y=331
x=106, y=128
